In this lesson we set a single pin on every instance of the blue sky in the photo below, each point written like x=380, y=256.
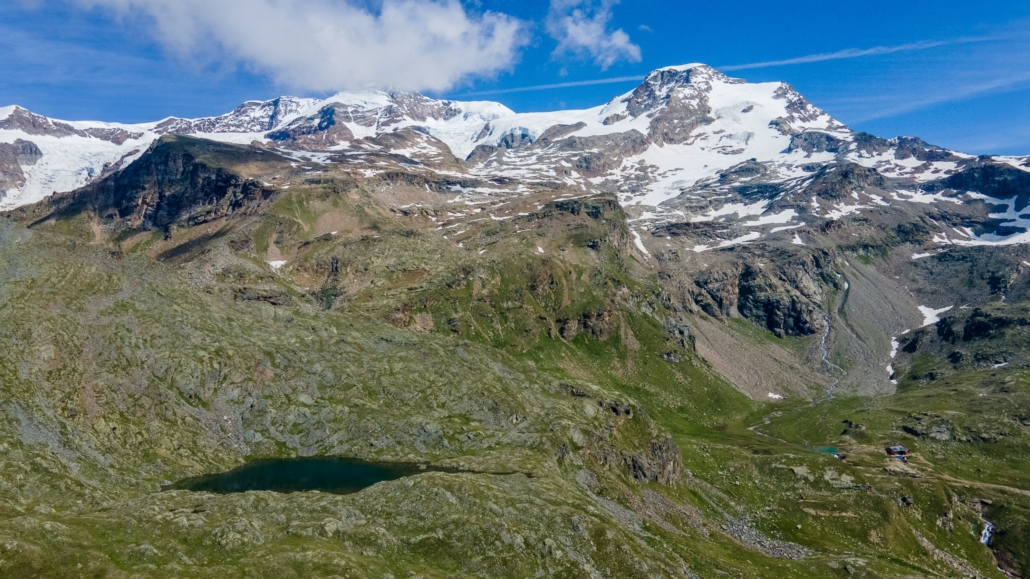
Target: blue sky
x=955, y=73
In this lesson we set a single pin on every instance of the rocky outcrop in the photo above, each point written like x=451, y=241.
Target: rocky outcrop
x=13, y=157
x=315, y=133
x=838, y=181
x=916, y=148
x=816, y=142
x=991, y=179
x=798, y=108
x=328, y=127
x=113, y=135
x=169, y=185
x=662, y=463
x=781, y=296
x=773, y=305
x=871, y=144
x=250, y=117
x=33, y=124
x=744, y=171
x=676, y=102
x=986, y=338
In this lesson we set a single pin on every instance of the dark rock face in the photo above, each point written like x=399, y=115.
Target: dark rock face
x=798, y=110
x=994, y=336
x=14, y=156
x=914, y=147
x=327, y=129
x=786, y=300
x=745, y=170
x=592, y=208
x=603, y=152
x=676, y=101
x=838, y=181
x=816, y=142
x=33, y=124
x=998, y=181
x=314, y=133
x=599, y=325
x=557, y=132
x=116, y=136
x=914, y=232
x=516, y=139
x=927, y=425
x=274, y=297
x=169, y=185
x=662, y=463
x=981, y=325
x=250, y=117
x=871, y=144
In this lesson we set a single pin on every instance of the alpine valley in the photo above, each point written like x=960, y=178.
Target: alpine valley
x=669, y=336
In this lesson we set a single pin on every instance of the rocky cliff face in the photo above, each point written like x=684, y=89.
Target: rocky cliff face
x=169, y=185
x=14, y=158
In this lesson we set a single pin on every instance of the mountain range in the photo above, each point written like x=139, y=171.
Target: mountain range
x=683, y=324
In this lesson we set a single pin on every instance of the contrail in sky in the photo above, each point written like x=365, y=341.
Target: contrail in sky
x=855, y=53
x=558, y=85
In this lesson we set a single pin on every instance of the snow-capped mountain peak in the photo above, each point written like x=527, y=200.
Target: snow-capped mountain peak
x=682, y=128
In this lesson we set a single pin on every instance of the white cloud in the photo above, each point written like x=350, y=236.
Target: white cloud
x=581, y=28
x=329, y=45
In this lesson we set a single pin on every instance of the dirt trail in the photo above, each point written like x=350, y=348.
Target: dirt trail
x=981, y=484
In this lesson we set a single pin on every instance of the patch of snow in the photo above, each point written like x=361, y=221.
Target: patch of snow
x=920, y=255
x=931, y=316
x=775, y=396
x=924, y=198
x=742, y=240
x=1021, y=163
x=777, y=218
x=639, y=243
x=842, y=210
x=738, y=209
x=786, y=228
x=797, y=240
x=277, y=265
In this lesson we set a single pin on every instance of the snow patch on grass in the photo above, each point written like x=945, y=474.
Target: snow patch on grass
x=932, y=316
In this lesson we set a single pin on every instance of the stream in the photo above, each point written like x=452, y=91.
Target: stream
x=987, y=533
x=826, y=359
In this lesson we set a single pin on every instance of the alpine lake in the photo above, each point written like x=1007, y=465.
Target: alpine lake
x=325, y=474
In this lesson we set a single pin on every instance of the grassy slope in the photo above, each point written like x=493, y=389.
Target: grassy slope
x=162, y=364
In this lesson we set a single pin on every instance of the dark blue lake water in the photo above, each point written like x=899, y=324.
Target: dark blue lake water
x=326, y=474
